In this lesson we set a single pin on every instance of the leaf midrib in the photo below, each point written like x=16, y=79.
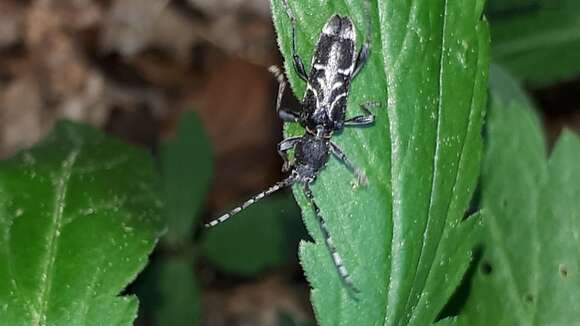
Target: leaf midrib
x=62, y=182
x=394, y=166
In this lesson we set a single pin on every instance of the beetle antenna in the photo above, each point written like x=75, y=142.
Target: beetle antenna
x=279, y=185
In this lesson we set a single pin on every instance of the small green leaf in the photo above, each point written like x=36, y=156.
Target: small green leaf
x=538, y=40
x=167, y=287
x=168, y=291
x=528, y=274
x=401, y=237
x=177, y=303
x=263, y=236
x=78, y=217
x=186, y=165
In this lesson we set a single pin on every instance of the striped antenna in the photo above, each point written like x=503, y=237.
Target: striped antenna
x=282, y=184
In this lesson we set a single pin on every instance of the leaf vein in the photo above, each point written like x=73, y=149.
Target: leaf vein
x=39, y=317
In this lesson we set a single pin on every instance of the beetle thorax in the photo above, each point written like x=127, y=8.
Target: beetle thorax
x=311, y=155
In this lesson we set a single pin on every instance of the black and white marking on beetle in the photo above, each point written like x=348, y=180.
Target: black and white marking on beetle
x=334, y=65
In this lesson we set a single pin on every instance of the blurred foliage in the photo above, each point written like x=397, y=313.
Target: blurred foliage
x=401, y=237
x=186, y=170
x=285, y=319
x=528, y=274
x=169, y=292
x=264, y=236
x=168, y=287
x=537, y=40
x=78, y=216
x=178, y=304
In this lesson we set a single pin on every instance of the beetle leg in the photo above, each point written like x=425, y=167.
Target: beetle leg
x=339, y=154
x=283, y=148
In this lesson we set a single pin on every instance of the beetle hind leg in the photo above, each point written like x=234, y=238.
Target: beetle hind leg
x=336, y=258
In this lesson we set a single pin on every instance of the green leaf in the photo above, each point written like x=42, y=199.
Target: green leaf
x=168, y=291
x=171, y=293
x=186, y=165
x=177, y=300
x=528, y=274
x=538, y=40
x=401, y=237
x=167, y=288
x=263, y=236
x=78, y=217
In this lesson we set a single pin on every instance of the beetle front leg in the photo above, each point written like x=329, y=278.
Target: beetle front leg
x=283, y=147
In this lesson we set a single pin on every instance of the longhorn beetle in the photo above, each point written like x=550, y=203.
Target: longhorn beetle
x=334, y=65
